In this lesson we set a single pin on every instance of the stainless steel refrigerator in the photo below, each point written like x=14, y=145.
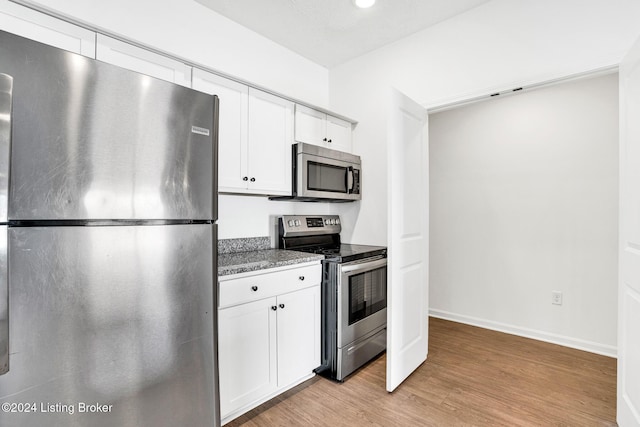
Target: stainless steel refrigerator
x=107, y=244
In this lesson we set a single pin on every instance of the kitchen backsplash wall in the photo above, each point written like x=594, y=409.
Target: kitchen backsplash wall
x=254, y=216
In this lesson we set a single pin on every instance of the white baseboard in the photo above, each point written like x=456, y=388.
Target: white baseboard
x=593, y=347
x=236, y=413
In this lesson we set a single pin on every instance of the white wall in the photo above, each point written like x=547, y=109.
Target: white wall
x=524, y=201
x=502, y=44
x=191, y=31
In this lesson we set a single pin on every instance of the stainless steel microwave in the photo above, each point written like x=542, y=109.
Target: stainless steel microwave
x=322, y=174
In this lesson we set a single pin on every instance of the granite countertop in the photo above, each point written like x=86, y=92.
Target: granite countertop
x=243, y=262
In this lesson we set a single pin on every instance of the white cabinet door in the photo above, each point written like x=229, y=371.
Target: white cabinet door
x=338, y=134
x=246, y=353
x=298, y=334
x=310, y=126
x=317, y=128
x=142, y=61
x=233, y=127
x=269, y=145
x=45, y=29
x=255, y=137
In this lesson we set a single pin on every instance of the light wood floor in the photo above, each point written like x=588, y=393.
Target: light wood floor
x=472, y=376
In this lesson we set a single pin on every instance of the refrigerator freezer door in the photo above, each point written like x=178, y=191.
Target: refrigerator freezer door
x=118, y=317
x=92, y=141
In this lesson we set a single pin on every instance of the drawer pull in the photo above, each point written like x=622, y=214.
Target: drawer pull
x=274, y=308
x=301, y=278
x=281, y=305
x=254, y=288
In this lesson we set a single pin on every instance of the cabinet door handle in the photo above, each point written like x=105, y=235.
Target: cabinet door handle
x=254, y=288
x=252, y=180
x=301, y=278
x=274, y=308
x=281, y=305
x=245, y=178
x=324, y=139
x=329, y=141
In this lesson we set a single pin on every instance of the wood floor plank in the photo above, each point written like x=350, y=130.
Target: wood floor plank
x=472, y=377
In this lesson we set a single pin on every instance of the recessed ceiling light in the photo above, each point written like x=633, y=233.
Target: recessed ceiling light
x=364, y=3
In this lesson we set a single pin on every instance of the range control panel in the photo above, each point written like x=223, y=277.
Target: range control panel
x=309, y=225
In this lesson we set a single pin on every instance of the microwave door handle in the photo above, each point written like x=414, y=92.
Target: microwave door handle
x=350, y=182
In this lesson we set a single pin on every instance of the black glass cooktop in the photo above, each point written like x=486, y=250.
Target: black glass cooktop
x=345, y=252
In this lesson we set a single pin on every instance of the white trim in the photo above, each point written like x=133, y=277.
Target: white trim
x=490, y=93
x=590, y=346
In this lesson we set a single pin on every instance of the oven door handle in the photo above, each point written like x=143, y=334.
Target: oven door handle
x=367, y=264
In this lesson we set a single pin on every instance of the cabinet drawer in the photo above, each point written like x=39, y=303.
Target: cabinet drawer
x=265, y=284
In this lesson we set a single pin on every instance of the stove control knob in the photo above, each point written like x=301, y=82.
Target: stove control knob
x=291, y=223
x=337, y=221
x=327, y=221
x=333, y=221
x=297, y=223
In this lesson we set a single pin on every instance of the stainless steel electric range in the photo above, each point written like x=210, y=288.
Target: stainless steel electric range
x=354, y=292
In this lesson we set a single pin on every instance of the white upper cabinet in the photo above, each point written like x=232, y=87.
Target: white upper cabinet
x=317, y=128
x=254, y=139
x=269, y=143
x=233, y=129
x=45, y=29
x=311, y=126
x=338, y=134
x=142, y=61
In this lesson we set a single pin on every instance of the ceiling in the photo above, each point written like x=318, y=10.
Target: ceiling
x=331, y=32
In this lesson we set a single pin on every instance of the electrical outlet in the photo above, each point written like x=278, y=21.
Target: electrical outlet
x=556, y=297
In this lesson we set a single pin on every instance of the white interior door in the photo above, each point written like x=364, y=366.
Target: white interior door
x=629, y=292
x=408, y=227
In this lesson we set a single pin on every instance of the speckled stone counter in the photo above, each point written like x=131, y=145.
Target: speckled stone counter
x=243, y=262
x=243, y=244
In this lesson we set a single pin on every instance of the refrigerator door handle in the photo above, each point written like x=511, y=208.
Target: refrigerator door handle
x=6, y=93
x=4, y=300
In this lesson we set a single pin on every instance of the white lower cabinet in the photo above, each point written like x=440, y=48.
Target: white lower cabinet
x=268, y=335
x=298, y=337
x=246, y=354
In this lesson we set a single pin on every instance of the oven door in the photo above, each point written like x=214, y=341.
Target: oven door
x=321, y=177
x=362, y=299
